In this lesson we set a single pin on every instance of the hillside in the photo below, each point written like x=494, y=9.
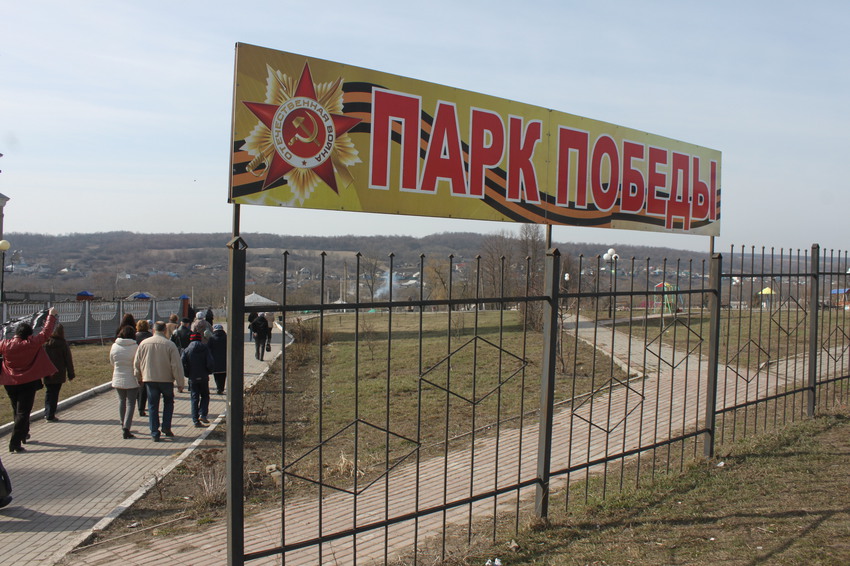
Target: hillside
x=115, y=264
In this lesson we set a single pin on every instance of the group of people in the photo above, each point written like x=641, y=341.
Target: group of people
x=147, y=366
x=148, y=360
x=32, y=362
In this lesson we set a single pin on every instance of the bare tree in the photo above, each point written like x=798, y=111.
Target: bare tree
x=532, y=245
x=497, y=251
x=370, y=271
x=437, y=279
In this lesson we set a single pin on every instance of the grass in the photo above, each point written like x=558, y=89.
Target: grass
x=92, y=367
x=777, y=498
x=377, y=373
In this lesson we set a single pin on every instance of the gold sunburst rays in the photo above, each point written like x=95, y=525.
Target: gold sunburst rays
x=260, y=143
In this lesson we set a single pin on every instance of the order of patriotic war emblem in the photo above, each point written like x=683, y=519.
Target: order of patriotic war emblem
x=301, y=136
x=303, y=132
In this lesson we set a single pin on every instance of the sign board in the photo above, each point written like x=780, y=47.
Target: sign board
x=309, y=133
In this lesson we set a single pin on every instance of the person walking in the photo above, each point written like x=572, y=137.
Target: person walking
x=25, y=363
x=143, y=332
x=126, y=320
x=251, y=318
x=172, y=325
x=180, y=337
x=124, y=381
x=218, y=347
x=60, y=354
x=197, y=366
x=157, y=363
x=201, y=326
x=261, y=332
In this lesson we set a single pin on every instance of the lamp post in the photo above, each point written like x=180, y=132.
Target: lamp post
x=4, y=247
x=611, y=258
x=3, y=200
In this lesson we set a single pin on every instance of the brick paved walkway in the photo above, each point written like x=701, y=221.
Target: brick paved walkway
x=79, y=470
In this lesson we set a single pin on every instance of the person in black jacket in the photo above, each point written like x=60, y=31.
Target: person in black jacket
x=60, y=354
x=218, y=347
x=181, y=335
x=143, y=332
x=251, y=318
x=197, y=367
x=261, y=332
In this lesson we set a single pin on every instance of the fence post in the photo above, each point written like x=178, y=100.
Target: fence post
x=814, y=296
x=713, y=354
x=547, y=382
x=86, y=317
x=235, y=403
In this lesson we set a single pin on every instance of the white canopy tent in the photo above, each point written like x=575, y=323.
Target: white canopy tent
x=255, y=300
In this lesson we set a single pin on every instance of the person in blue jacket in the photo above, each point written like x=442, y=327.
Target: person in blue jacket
x=197, y=367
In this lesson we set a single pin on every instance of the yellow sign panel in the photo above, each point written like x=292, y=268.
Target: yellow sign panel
x=309, y=133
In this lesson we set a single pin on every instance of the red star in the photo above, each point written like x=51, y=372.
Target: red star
x=279, y=166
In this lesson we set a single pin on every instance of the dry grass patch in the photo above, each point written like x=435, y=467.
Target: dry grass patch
x=779, y=498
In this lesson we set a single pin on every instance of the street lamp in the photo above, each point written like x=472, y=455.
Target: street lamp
x=611, y=258
x=4, y=247
x=3, y=200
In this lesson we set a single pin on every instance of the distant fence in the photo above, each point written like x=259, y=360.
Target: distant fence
x=93, y=320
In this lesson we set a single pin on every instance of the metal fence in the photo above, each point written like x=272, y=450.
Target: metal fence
x=422, y=419
x=93, y=320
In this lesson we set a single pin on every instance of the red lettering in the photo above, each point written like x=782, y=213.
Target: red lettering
x=701, y=204
x=679, y=204
x=656, y=205
x=444, y=158
x=634, y=184
x=712, y=192
x=486, y=147
x=389, y=107
x=522, y=176
x=570, y=141
x=605, y=197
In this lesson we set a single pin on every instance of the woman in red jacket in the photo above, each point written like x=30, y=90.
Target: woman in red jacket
x=25, y=363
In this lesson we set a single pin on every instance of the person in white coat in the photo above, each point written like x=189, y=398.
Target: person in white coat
x=124, y=381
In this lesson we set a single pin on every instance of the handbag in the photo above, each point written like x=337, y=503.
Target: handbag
x=268, y=347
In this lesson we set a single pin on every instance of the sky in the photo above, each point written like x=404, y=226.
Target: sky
x=116, y=115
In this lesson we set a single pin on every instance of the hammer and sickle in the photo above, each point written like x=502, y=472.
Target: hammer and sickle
x=311, y=135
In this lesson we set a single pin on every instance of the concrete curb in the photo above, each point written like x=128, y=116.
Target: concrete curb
x=70, y=401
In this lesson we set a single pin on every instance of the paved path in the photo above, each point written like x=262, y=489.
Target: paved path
x=80, y=470
x=668, y=402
